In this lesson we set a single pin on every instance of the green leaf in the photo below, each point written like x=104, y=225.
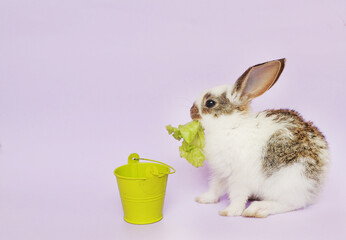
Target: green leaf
x=175, y=131
x=193, y=141
x=192, y=154
x=189, y=131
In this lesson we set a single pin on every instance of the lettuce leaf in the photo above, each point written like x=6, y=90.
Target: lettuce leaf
x=193, y=141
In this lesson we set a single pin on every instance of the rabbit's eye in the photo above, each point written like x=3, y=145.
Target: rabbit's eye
x=210, y=103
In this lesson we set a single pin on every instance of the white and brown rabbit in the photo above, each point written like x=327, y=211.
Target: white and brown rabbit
x=273, y=156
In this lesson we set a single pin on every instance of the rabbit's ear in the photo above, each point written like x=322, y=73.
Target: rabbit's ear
x=258, y=79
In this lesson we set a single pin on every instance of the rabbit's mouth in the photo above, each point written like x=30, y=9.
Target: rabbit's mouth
x=194, y=113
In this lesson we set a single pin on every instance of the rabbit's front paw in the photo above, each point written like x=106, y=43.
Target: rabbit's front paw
x=232, y=211
x=207, y=198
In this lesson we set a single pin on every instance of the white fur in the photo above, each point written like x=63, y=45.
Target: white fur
x=234, y=150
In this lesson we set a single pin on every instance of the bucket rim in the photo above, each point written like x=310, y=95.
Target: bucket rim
x=134, y=159
x=138, y=178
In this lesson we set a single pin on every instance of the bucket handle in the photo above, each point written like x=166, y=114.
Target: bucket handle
x=134, y=158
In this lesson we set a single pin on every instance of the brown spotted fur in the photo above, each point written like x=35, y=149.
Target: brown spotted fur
x=223, y=105
x=283, y=150
x=194, y=112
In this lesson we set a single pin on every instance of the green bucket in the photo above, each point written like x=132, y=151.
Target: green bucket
x=142, y=188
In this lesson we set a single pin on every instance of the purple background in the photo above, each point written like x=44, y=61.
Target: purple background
x=84, y=83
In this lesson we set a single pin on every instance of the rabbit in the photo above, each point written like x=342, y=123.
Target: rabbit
x=274, y=157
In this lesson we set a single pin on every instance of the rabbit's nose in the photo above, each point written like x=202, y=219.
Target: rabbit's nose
x=194, y=112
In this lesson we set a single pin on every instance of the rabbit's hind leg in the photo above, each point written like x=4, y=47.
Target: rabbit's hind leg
x=261, y=209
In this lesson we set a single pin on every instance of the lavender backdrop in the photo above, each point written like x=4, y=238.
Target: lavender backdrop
x=84, y=83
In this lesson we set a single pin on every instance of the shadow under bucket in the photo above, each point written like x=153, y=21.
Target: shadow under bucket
x=142, y=188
